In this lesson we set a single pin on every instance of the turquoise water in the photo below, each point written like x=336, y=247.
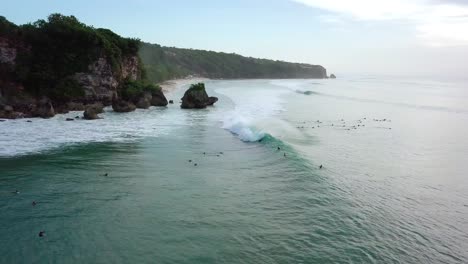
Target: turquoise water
x=392, y=191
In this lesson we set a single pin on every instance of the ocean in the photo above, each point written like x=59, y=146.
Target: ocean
x=360, y=169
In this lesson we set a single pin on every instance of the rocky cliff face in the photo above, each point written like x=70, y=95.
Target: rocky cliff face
x=60, y=63
x=101, y=82
x=130, y=68
x=7, y=52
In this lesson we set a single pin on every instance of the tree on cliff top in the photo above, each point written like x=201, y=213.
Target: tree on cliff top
x=6, y=27
x=61, y=46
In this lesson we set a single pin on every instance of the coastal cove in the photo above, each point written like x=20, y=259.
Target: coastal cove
x=61, y=64
x=387, y=192
x=263, y=132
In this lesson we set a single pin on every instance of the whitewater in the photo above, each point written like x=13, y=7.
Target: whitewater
x=363, y=169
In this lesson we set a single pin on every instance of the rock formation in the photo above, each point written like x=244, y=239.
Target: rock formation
x=121, y=106
x=44, y=108
x=196, y=97
x=144, y=102
x=158, y=98
x=91, y=111
x=212, y=100
x=31, y=71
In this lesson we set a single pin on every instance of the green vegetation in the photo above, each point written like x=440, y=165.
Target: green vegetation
x=7, y=28
x=197, y=87
x=67, y=89
x=50, y=52
x=131, y=90
x=163, y=63
x=57, y=48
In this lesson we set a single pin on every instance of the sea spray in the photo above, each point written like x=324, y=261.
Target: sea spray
x=243, y=128
x=254, y=110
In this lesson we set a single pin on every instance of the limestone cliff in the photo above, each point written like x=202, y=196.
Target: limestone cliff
x=64, y=62
x=8, y=51
x=101, y=82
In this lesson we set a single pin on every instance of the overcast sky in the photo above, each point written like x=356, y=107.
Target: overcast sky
x=394, y=37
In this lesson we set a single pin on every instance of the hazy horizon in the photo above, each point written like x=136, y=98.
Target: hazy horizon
x=423, y=38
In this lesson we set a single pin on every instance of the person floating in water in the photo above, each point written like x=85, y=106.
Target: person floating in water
x=105, y=174
x=34, y=203
x=195, y=164
x=321, y=167
x=279, y=148
x=285, y=154
x=16, y=192
x=42, y=233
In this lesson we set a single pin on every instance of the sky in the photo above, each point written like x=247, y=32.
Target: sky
x=387, y=37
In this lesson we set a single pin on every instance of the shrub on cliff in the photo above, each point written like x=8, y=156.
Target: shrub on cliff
x=61, y=46
x=66, y=90
x=197, y=87
x=6, y=27
x=132, y=90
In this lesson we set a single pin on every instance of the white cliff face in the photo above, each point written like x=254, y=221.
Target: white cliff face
x=101, y=82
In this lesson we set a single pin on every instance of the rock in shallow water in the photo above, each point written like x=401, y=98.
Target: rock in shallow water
x=212, y=100
x=9, y=113
x=91, y=112
x=44, y=108
x=196, y=97
x=158, y=98
x=145, y=101
x=121, y=106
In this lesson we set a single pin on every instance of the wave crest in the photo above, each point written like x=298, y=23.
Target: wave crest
x=243, y=128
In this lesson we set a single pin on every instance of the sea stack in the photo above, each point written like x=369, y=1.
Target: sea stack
x=91, y=111
x=196, y=97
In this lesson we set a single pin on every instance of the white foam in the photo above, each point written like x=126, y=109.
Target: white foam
x=18, y=137
x=242, y=127
x=254, y=106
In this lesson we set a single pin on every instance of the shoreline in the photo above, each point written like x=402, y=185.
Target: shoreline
x=171, y=86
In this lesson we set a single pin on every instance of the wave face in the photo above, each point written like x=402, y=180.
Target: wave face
x=255, y=109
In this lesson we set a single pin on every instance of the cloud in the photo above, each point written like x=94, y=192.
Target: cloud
x=330, y=19
x=437, y=22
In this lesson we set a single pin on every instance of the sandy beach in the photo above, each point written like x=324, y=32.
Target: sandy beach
x=172, y=85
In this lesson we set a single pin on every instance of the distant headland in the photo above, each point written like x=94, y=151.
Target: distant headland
x=60, y=64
